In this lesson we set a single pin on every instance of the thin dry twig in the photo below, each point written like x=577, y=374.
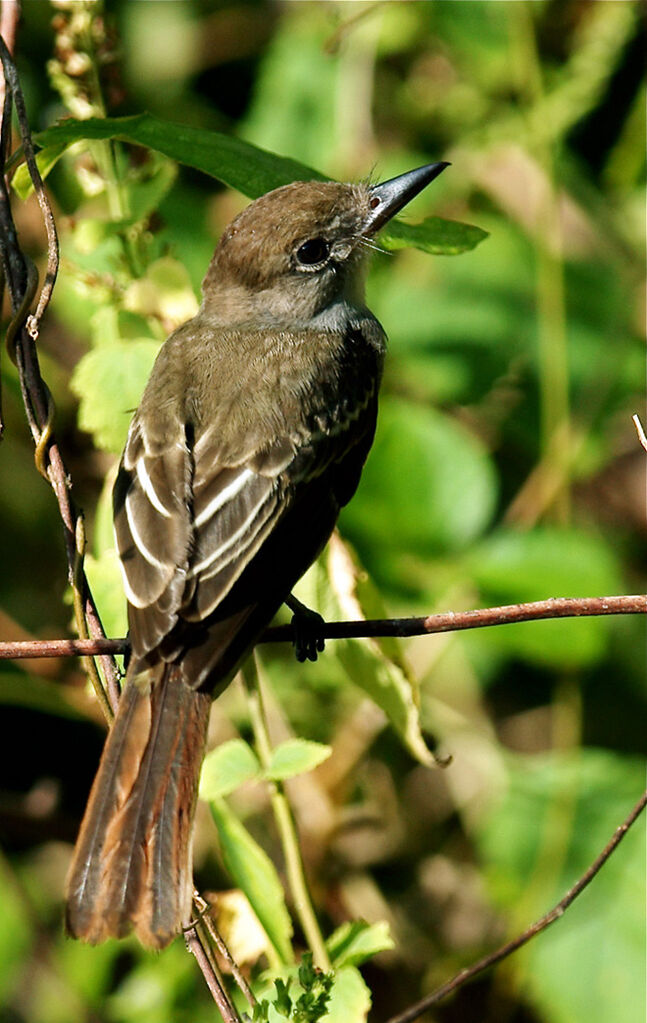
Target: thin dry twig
x=450, y=621
x=640, y=431
x=198, y=946
x=22, y=281
x=415, y=1011
x=204, y=909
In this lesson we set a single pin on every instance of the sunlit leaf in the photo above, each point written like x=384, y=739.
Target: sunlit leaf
x=295, y=756
x=227, y=767
x=109, y=382
x=356, y=941
x=435, y=235
x=241, y=165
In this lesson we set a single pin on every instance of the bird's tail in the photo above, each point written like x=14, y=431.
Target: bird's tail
x=132, y=865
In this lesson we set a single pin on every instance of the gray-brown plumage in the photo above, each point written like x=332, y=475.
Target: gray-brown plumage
x=251, y=435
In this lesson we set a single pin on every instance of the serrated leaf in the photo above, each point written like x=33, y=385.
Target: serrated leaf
x=251, y=869
x=356, y=941
x=226, y=768
x=109, y=382
x=435, y=235
x=251, y=170
x=350, y=998
x=296, y=756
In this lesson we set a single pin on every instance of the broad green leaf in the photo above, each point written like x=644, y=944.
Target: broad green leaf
x=428, y=486
x=356, y=941
x=557, y=814
x=109, y=382
x=435, y=235
x=241, y=165
x=227, y=767
x=251, y=870
x=237, y=164
x=513, y=567
x=295, y=756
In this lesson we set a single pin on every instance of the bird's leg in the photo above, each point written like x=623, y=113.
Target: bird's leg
x=307, y=626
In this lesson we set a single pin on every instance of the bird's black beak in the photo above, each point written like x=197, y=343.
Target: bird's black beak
x=390, y=197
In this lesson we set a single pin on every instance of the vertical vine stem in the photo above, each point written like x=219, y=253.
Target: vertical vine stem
x=285, y=822
x=21, y=278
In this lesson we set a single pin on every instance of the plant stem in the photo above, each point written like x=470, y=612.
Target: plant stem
x=285, y=823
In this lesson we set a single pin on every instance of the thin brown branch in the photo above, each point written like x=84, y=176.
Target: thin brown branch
x=450, y=621
x=22, y=282
x=204, y=910
x=196, y=945
x=456, y=621
x=415, y=1011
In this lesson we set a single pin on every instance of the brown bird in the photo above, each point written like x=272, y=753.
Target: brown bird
x=251, y=435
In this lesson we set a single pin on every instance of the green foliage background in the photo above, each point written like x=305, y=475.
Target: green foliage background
x=506, y=468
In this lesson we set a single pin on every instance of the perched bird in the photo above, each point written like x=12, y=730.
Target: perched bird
x=251, y=435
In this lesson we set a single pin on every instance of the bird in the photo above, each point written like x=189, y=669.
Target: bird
x=250, y=437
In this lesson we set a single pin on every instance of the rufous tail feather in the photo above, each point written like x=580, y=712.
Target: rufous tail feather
x=132, y=865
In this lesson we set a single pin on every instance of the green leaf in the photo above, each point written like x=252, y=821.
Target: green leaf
x=350, y=999
x=435, y=235
x=238, y=164
x=253, y=872
x=555, y=816
x=356, y=941
x=241, y=165
x=513, y=567
x=109, y=382
x=296, y=756
x=106, y=582
x=45, y=160
x=226, y=768
x=428, y=486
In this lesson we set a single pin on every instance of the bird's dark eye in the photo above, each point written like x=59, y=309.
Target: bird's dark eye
x=314, y=251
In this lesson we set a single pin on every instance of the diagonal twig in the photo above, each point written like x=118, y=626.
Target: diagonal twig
x=464, y=976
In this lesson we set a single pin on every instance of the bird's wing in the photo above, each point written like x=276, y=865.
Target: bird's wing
x=193, y=513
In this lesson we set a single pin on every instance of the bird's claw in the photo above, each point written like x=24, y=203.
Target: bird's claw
x=307, y=638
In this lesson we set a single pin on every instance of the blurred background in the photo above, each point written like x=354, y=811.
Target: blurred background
x=506, y=468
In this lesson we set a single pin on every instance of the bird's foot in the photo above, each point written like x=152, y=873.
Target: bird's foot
x=307, y=628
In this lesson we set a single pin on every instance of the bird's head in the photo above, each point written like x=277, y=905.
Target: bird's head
x=300, y=249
